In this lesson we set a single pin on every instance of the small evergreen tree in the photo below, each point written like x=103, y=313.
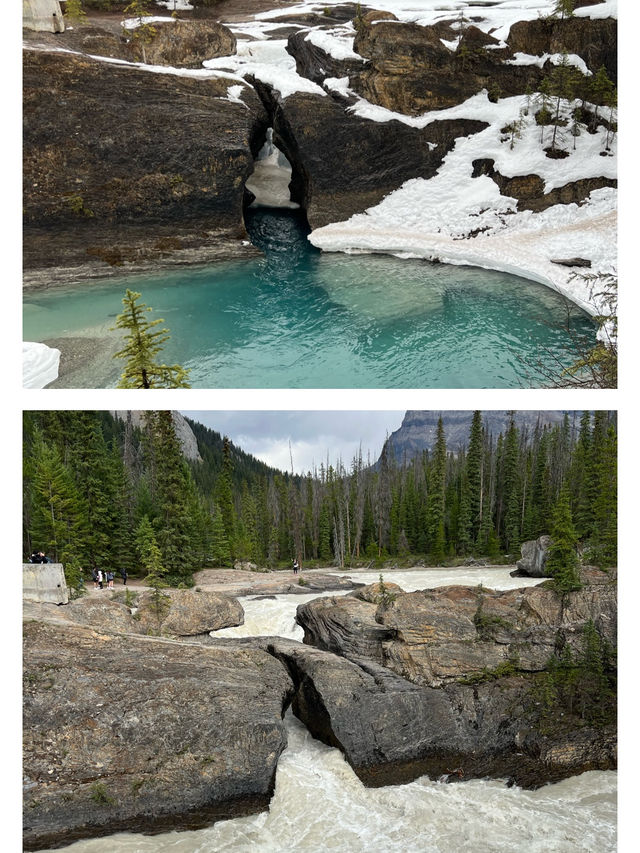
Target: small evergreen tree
x=562, y=562
x=142, y=346
x=74, y=13
x=144, y=32
x=563, y=9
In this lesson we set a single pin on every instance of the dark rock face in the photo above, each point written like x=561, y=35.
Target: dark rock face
x=410, y=70
x=534, y=557
x=436, y=637
x=107, y=147
x=596, y=41
x=343, y=164
x=316, y=64
x=140, y=734
x=186, y=44
x=529, y=189
x=392, y=731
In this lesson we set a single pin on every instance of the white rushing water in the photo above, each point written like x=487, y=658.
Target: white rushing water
x=320, y=804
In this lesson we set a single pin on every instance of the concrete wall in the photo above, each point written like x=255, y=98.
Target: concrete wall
x=44, y=15
x=44, y=582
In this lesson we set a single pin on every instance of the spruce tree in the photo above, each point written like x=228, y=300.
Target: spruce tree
x=562, y=560
x=74, y=13
x=58, y=517
x=173, y=523
x=144, y=32
x=436, y=498
x=604, y=539
x=143, y=343
x=220, y=550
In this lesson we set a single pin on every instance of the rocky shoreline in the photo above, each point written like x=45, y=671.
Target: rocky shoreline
x=127, y=170
x=141, y=719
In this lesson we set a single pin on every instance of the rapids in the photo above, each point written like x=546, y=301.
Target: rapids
x=319, y=804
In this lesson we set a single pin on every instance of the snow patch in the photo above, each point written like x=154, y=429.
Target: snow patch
x=40, y=364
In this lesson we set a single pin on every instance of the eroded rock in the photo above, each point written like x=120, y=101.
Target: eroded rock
x=123, y=167
x=439, y=636
x=187, y=44
x=141, y=734
x=187, y=613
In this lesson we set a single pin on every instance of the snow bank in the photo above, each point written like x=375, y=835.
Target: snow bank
x=335, y=43
x=40, y=364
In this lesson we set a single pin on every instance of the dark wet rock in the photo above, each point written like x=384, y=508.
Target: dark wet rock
x=316, y=64
x=529, y=189
x=124, y=168
x=343, y=164
x=435, y=637
x=596, y=41
x=392, y=731
x=571, y=262
x=534, y=557
x=141, y=734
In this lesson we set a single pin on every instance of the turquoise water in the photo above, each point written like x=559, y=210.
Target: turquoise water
x=298, y=318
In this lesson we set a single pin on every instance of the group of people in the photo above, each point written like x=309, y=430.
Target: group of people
x=100, y=577
x=39, y=557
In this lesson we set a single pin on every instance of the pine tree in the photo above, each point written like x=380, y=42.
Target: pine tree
x=148, y=551
x=173, y=523
x=141, y=348
x=604, y=538
x=74, y=13
x=563, y=9
x=224, y=494
x=58, y=520
x=562, y=560
x=220, y=550
x=561, y=85
x=144, y=32
x=436, y=498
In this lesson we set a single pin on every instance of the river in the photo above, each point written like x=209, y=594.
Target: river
x=319, y=803
x=298, y=318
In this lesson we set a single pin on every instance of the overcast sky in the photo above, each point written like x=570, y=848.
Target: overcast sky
x=266, y=435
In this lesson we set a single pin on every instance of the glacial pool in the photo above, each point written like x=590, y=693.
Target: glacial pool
x=298, y=318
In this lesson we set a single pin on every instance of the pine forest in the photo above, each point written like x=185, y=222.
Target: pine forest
x=102, y=492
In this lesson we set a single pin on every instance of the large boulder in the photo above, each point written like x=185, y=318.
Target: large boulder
x=187, y=44
x=125, y=167
x=140, y=734
x=438, y=636
x=534, y=557
x=187, y=612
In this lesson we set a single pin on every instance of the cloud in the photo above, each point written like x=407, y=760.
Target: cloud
x=313, y=435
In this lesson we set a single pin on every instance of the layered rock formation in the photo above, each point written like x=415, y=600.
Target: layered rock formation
x=124, y=167
x=124, y=732
x=439, y=636
x=418, y=430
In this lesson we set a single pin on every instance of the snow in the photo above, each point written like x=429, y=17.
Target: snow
x=339, y=47
x=556, y=58
x=133, y=23
x=267, y=61
x=40, y=364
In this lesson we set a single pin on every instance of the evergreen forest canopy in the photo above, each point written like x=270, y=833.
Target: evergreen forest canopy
x=103, y=492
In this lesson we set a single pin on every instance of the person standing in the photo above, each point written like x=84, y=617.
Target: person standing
x=296, y=566
x=110, y=579
x=94, y=575
x=100, y=579
x=124, y=574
